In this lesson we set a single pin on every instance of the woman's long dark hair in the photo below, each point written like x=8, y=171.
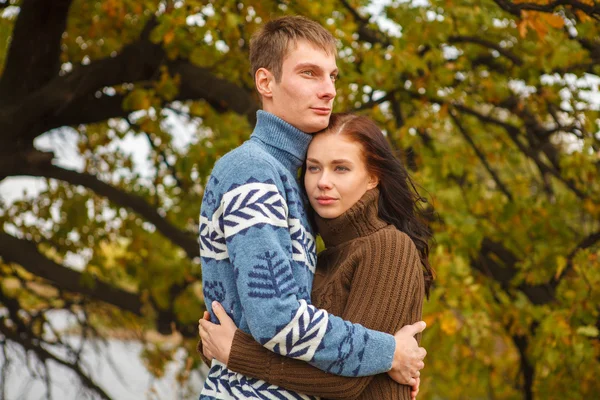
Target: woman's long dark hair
x=399, y=200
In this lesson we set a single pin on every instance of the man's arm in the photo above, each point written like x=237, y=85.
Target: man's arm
x=254, y=219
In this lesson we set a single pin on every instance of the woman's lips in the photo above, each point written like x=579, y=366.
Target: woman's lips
x=325, y=200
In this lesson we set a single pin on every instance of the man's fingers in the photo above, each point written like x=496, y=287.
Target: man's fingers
x=206, y=316
x=415, y=328
x=412, y=382
x=422, y=352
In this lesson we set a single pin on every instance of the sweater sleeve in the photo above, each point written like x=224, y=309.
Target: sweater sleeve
x=254, y=221
x=386, y=293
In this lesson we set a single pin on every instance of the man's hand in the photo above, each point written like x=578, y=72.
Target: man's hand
x=408, y=357
x=415, y=390
x=217, y=339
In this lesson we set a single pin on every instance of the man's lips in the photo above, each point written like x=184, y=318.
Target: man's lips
x=325, y=200
x=321, y=110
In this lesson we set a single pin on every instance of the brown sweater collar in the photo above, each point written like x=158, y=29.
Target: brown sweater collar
x=360, y=220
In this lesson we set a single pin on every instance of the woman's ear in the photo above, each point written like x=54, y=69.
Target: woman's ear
x=263, y=79
x=373, y=182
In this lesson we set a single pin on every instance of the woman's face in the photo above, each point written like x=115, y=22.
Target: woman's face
x=336, y=174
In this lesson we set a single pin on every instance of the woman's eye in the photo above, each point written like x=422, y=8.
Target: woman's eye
x=312, y=168
x=341, y=168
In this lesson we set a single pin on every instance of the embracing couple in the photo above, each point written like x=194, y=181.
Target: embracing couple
x=282, y=324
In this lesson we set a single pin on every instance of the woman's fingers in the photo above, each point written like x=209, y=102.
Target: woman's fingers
x=204, y=328
x=222, y=315
x=206, y=316
x=220, y=312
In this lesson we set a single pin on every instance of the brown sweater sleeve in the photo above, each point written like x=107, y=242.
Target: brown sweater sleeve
x=384, y=288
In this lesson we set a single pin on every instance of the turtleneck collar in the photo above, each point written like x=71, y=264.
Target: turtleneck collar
x=286, y=143
x=360, y=220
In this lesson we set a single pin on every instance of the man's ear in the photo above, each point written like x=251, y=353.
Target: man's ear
x=373, y=182
x=264, y=79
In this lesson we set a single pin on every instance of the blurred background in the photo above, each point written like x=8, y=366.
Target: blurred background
x=113, y=112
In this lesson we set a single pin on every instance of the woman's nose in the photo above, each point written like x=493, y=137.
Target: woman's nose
x=324, y=182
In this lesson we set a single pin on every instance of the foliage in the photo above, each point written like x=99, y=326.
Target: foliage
x=489, y=102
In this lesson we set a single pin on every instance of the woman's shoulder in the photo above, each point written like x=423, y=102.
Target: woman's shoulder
x=391, y=236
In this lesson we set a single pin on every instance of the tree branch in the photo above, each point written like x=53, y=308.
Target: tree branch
x=59, y=102
x=136, y=203
x=486, y=43
x=516, y=8
x=481, y=156
x=513, y=133
x=32, y=343
x=33, y=57
x=586, y=243
x=364, y=31
x=26, y=254
x=505, y=272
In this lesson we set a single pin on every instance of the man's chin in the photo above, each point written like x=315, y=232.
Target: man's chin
x=318, y=125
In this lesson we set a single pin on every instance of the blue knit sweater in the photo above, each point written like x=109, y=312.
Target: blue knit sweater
x=258, y=260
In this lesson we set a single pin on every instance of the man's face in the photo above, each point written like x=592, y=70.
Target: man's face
x=304, y=95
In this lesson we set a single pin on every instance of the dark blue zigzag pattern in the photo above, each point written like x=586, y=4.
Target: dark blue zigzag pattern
x=345, y=350
x=247, y=387
x=361, y=354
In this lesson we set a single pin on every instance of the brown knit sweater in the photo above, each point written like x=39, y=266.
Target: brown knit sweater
x=370, y=273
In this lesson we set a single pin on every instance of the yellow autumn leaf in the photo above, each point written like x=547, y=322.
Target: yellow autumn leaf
x=448, y=323
x=169, y=36
x=555, y=21
x=561, y=263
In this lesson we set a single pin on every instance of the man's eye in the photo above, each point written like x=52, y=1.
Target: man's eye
x=309, y=73
x=334, y=77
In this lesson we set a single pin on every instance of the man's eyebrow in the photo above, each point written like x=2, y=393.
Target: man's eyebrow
x=314, y=66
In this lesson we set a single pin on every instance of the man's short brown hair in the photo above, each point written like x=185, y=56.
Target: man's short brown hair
x=270, y=45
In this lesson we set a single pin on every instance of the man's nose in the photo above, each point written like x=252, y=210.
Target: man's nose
x=328, y=89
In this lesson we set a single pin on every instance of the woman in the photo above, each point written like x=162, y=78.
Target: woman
x=374, y=270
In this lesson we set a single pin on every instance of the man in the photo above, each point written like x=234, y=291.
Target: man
x=257, y=248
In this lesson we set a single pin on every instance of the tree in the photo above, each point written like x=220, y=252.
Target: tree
x=489, y=103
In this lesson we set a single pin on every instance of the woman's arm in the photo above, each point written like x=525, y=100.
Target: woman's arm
x=382, y=297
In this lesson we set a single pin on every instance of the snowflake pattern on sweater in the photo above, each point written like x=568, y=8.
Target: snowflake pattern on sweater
x=258, y=259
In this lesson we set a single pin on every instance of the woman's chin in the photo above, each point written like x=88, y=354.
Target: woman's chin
x=328, y=213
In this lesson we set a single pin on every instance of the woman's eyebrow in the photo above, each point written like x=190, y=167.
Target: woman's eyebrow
x=341, y=161
x=312, y=160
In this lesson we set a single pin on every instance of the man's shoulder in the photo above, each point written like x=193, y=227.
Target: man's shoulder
x=246, y=162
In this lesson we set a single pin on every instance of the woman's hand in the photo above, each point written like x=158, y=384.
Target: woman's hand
x=217, y=339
